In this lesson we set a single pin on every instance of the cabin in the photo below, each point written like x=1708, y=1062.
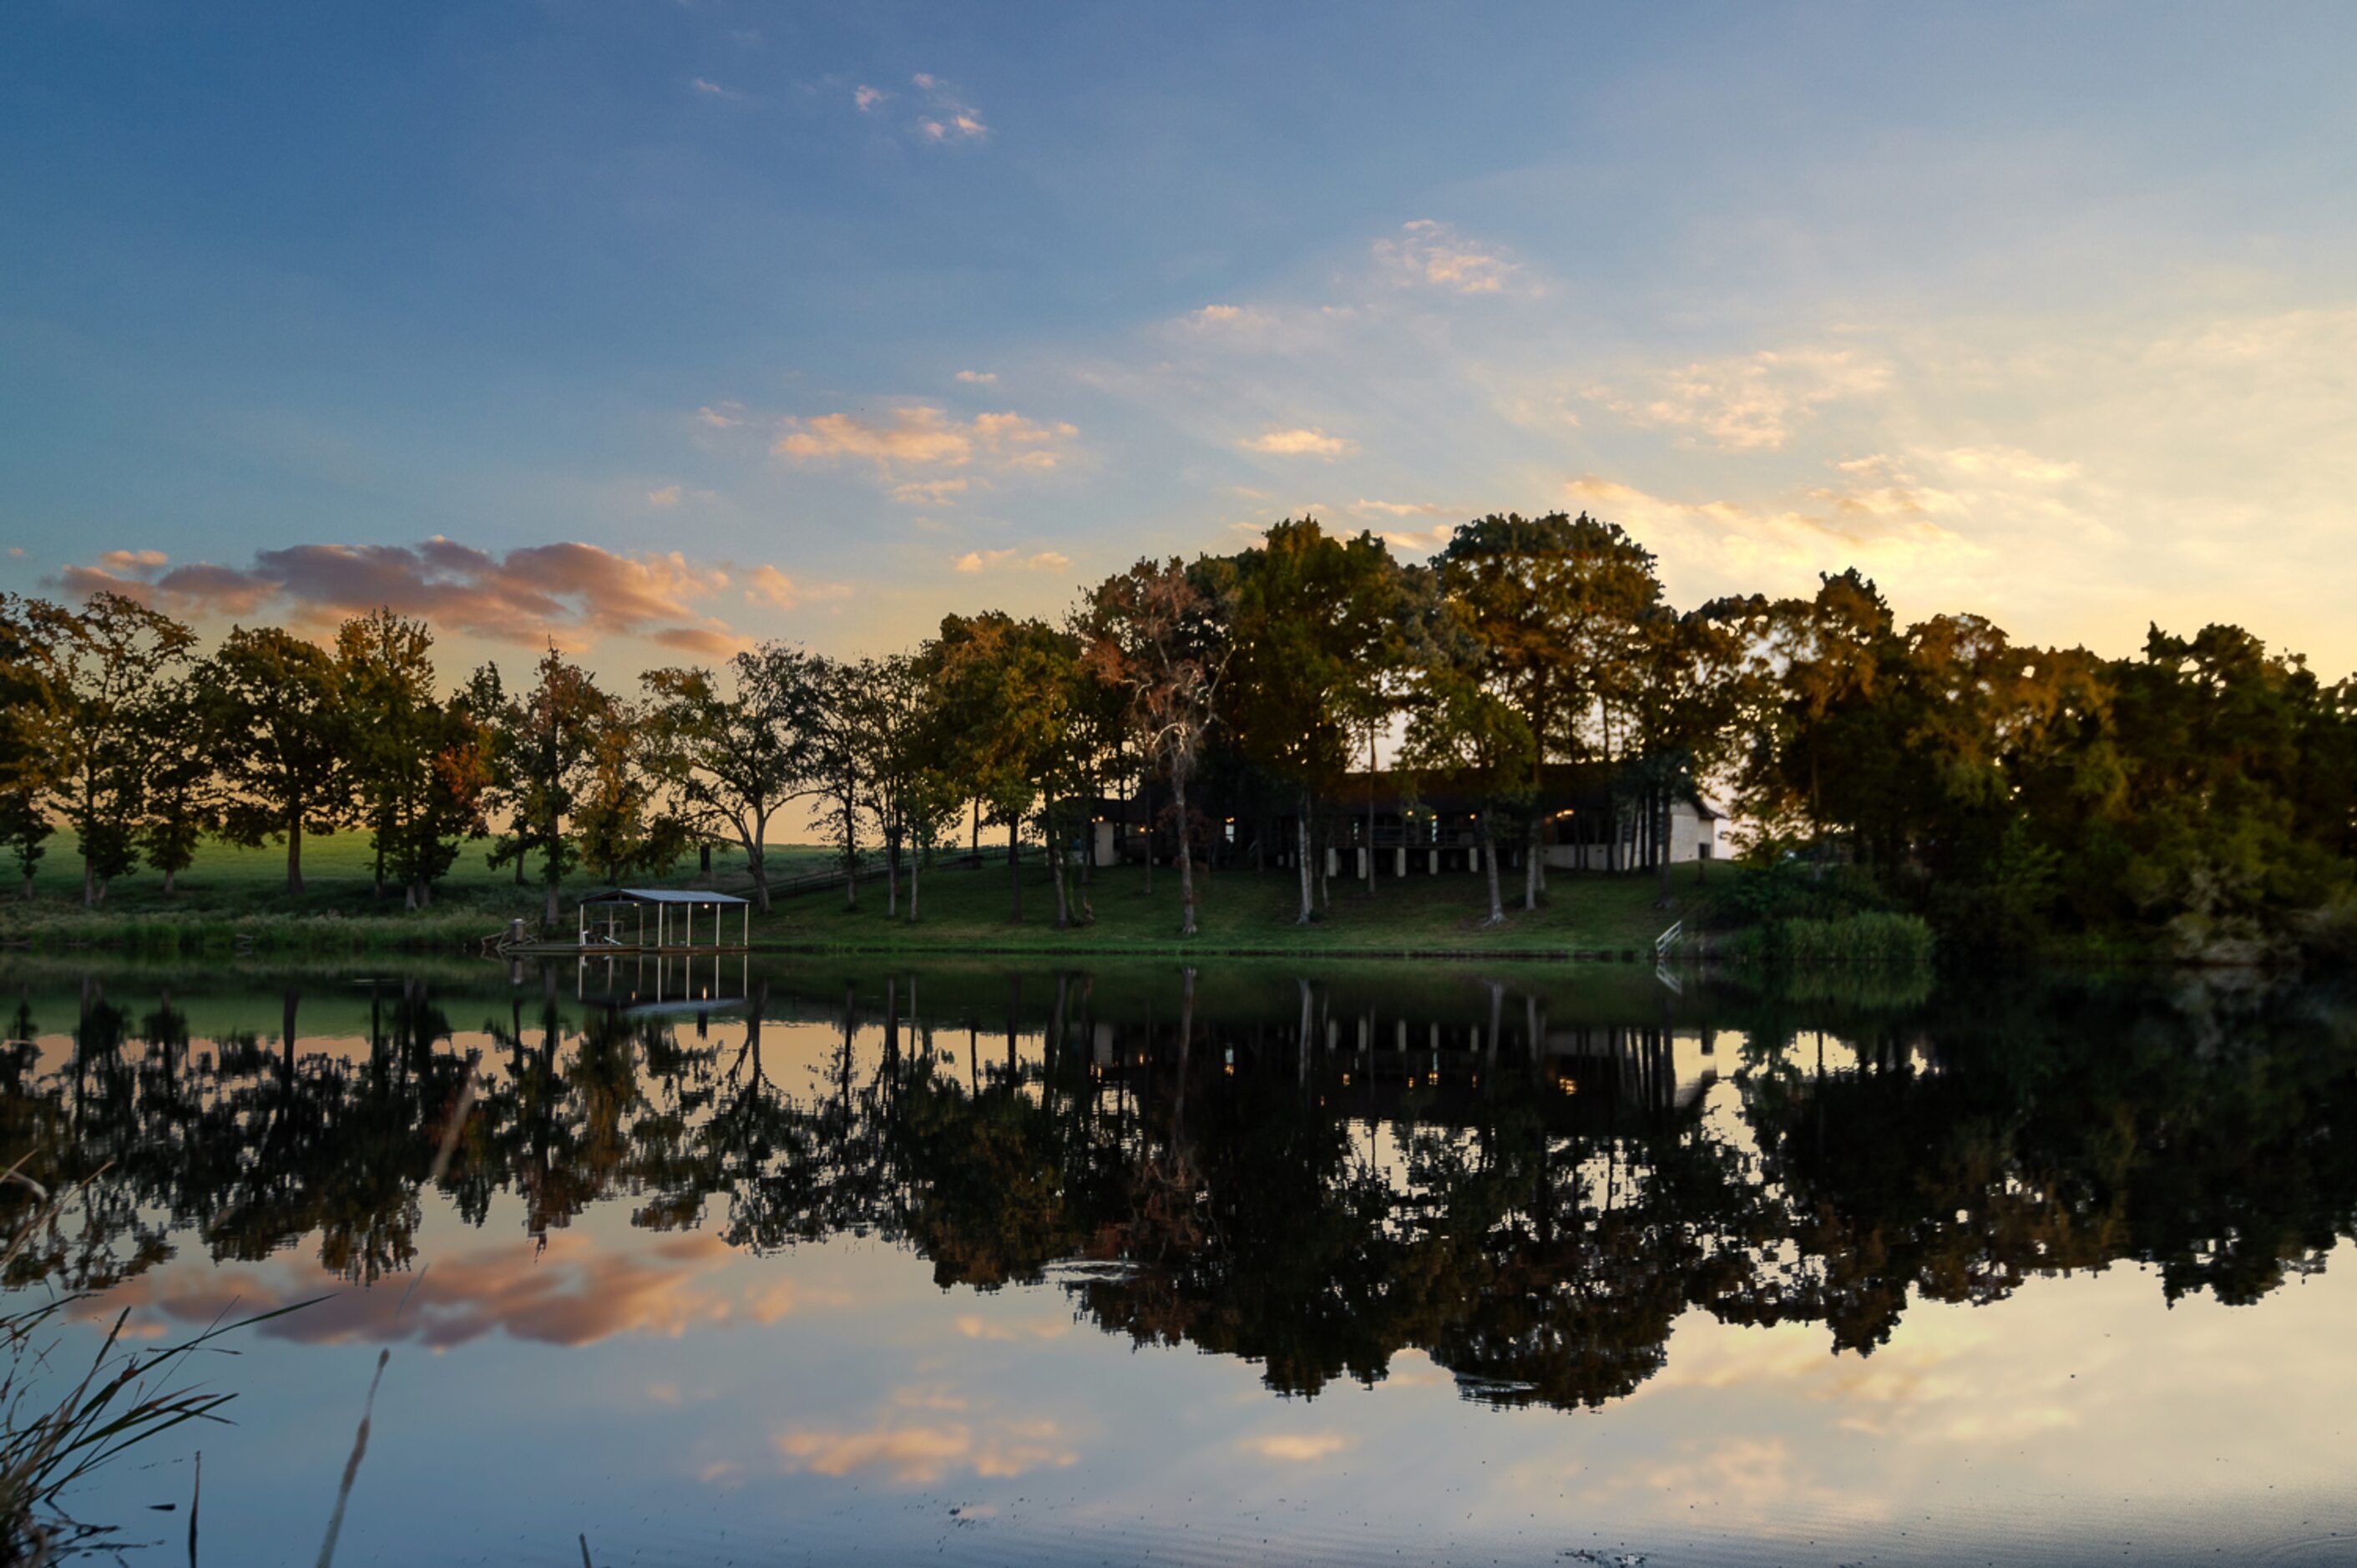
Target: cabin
x=1412, y=826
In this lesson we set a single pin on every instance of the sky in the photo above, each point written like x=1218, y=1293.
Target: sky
x=653, y=327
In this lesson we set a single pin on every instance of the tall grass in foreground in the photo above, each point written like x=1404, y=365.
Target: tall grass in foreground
x=52, y=1437
x=1866, y=939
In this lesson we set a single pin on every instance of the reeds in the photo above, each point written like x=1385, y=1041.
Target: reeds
x=49, y=1439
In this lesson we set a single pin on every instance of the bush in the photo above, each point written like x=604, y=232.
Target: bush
x=1878, y=937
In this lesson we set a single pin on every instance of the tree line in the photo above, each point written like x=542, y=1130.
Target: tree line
x=2199, y=789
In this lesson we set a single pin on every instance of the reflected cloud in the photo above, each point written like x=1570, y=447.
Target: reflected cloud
x=1296, y=1447
x=975, y=1328
x=920, y=1449
x=575, y=1291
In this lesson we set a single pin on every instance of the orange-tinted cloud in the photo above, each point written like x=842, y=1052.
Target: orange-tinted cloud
x=573, y=1292
x=566, y=594
x=926, y=1436
x=917, y=436
x=1310, y=443
x=1430, y=253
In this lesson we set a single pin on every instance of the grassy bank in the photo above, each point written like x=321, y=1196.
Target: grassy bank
x=1242, y=911
x=234, y=900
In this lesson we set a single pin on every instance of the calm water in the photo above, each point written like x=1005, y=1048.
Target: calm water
x=818, y=1263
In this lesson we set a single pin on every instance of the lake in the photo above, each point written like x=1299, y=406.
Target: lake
x=822, y=1261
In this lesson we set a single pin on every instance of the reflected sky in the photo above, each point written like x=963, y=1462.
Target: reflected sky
x=633, y=1311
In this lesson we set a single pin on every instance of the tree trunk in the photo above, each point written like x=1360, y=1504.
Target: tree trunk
x=850, y=856
x=916, y=865
x=89, y=883
x=757, y=862
x=295, y=856
x=171, y=880
x=1301, y=859
x=1056, y=867
x=1014, y=867
x=1371, y=808
x=555, y=870
x=378, y=891
x=1186, y=861
x=1489, y=851
x=1532, y=857
x=1325, y=878
x=892, y=873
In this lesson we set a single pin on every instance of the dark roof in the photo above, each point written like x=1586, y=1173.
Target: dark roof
x=660, y=895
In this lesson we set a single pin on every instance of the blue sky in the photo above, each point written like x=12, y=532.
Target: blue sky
x=821, y=322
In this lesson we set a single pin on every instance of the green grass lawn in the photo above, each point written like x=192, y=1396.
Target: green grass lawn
x=967, y=909
x=231, y=890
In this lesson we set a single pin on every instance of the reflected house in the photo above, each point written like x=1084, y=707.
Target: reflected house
x=1590, y=818
x=1593, y=1079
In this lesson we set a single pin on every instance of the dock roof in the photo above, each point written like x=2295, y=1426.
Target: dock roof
x=662, y=896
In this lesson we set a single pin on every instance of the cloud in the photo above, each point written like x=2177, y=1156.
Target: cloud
x=1889, y=521
x=1216, y=314
x=723, y=417
x=575, y=1291
x=1310, y=443
x=947, y=117
x=767, y=586
x=714, y=89
x=1296, y=1447
x=565, y=594
x=975, y=1327
x=922, y=1450
x=1432, y=254
x=992, y=559
x=868, y=98
x=930, y=492
x=979, y=378
x=1407, y=508
x=1749, y=404
x=917, y=436
x=668, y=496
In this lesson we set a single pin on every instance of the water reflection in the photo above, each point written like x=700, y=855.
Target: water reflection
x=1525, y=1180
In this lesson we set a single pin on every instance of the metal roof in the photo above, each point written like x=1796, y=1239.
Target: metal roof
x=660, y=895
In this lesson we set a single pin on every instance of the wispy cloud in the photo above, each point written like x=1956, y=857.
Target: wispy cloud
x=918, y=435
x=713, y=88
x=930, y=492
x=868, y=98
x=947, y=117
x=974, y=561
x=978, y=378
x=767, y=586
x=1749, y=404
x=1312, y=442
x=721, y=416
x=1431, y=254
